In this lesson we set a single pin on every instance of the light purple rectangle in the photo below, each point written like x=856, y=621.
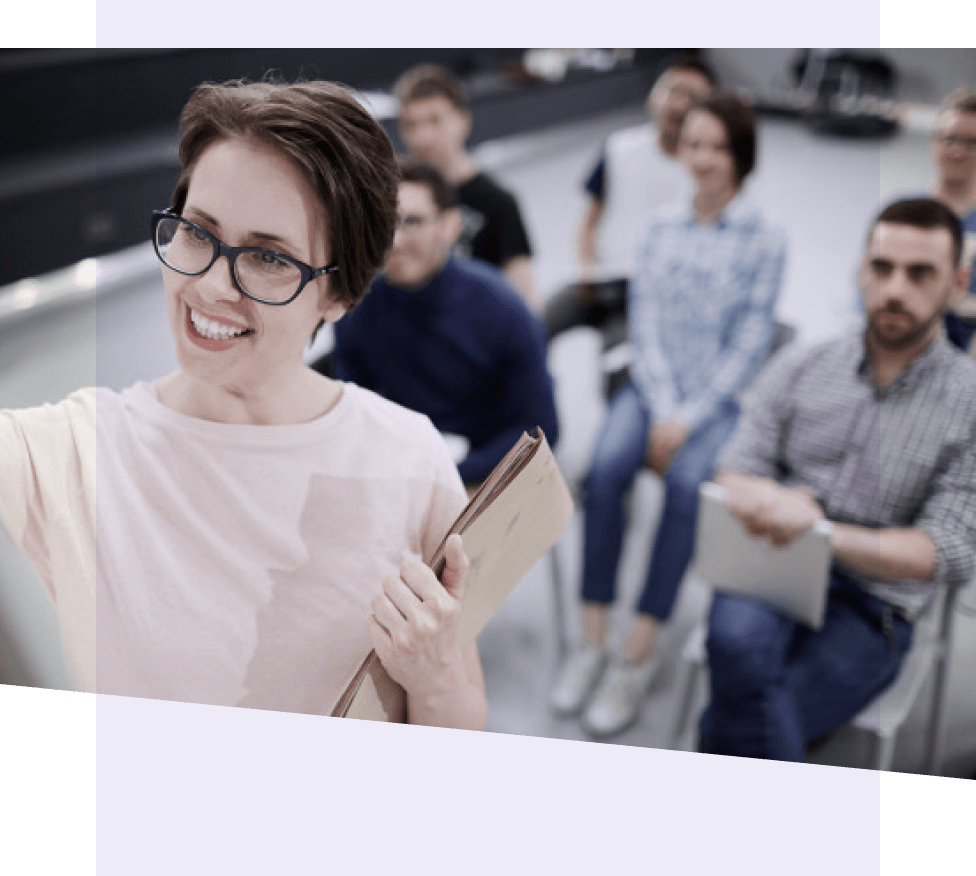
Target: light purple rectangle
x=201, y=789
x=757, y=23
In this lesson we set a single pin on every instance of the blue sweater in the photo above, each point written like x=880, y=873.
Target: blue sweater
x=464, y=350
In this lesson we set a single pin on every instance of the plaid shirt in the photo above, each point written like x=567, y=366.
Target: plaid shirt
x=702, y=308
x=902, y=456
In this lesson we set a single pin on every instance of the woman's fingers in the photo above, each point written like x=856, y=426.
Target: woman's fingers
x=455, y=567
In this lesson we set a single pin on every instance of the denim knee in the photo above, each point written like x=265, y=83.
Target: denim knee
x=744, y=644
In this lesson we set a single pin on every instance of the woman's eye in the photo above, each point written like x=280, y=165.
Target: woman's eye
x=269, y=261
x=195, y=235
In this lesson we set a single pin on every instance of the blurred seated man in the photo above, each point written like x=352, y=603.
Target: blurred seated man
x=875, y=432
x=637, y=172
x=435, y=123
x=447, y=336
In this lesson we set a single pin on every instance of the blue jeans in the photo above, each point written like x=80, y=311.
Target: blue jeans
x=618, y=456
x=777, y=685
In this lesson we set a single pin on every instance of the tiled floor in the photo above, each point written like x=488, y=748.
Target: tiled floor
x=822, y=191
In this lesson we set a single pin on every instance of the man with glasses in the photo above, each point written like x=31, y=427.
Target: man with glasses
x=954, y=154
x=954, y=149
x=435, y=122
x=447, y=336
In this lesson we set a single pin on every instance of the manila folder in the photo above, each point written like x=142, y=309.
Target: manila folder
x=517, y=515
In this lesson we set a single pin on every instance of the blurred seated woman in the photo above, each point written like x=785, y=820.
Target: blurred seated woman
x=256, y=528
x=702, y=314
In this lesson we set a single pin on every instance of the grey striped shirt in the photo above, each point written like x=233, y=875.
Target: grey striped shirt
x=903, y=456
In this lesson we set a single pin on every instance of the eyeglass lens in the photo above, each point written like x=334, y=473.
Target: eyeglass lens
x=261, y=273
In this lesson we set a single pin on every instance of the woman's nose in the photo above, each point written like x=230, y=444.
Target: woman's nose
x=218, y=282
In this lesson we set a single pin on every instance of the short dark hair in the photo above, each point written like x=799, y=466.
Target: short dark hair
x=430, y=80
x=687, y=63
x=739, y=120
x=443, y=193
x=337, y=145
x=925, y=213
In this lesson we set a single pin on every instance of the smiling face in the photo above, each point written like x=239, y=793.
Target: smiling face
x=434, y=130
x=246, y=194
x=423, y=240
x=704, y=150
x=908, y=280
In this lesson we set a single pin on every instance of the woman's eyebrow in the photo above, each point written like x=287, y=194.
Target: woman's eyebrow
x=263, y=236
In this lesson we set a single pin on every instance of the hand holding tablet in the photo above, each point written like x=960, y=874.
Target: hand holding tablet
x=792, y=577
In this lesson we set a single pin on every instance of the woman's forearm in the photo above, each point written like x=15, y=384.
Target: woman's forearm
x=463, y=708
x=460, y=703
x=894, y=554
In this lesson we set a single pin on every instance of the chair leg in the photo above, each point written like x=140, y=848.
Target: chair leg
x=884, y=752
x=934, y=736
x=558, y=602
x=692, y=682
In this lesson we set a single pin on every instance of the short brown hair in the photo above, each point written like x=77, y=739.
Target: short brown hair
x=430, y=80
x=927, y=213
x=739, y=120
x=688, y=64
x=341, y=150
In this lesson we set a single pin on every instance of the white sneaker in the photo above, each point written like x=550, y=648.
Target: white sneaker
x=576, y=679
x=616, y=704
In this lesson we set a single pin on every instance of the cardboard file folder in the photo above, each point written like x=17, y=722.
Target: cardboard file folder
x=515, y=517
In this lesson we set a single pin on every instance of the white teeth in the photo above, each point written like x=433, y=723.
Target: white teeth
x=212, y=329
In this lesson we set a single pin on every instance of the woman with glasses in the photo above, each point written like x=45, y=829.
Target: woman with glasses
x=256, y=528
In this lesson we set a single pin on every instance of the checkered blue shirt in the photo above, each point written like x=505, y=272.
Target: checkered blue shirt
x=902, y=456
x=702, y=308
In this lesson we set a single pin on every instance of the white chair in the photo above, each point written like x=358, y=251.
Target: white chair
x=885, y=715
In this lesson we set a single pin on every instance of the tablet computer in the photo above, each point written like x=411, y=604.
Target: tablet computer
x=793, y=579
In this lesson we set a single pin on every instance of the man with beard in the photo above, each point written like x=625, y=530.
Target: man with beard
x=875, y=432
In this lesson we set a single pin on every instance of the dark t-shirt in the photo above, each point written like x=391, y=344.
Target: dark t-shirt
x=493, y=229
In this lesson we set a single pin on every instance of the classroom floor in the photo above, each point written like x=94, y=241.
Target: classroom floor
x=824, y=193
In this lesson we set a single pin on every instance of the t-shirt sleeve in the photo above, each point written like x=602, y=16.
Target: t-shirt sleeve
x=19, y=496
x=47, y=475
x=513, y=239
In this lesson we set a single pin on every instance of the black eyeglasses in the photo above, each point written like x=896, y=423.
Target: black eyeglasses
x=262, y=275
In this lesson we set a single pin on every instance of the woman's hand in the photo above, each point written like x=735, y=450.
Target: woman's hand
x=665, y=440
x=414, y=628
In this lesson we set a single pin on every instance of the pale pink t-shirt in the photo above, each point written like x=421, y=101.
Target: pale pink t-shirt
x=235, y=565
